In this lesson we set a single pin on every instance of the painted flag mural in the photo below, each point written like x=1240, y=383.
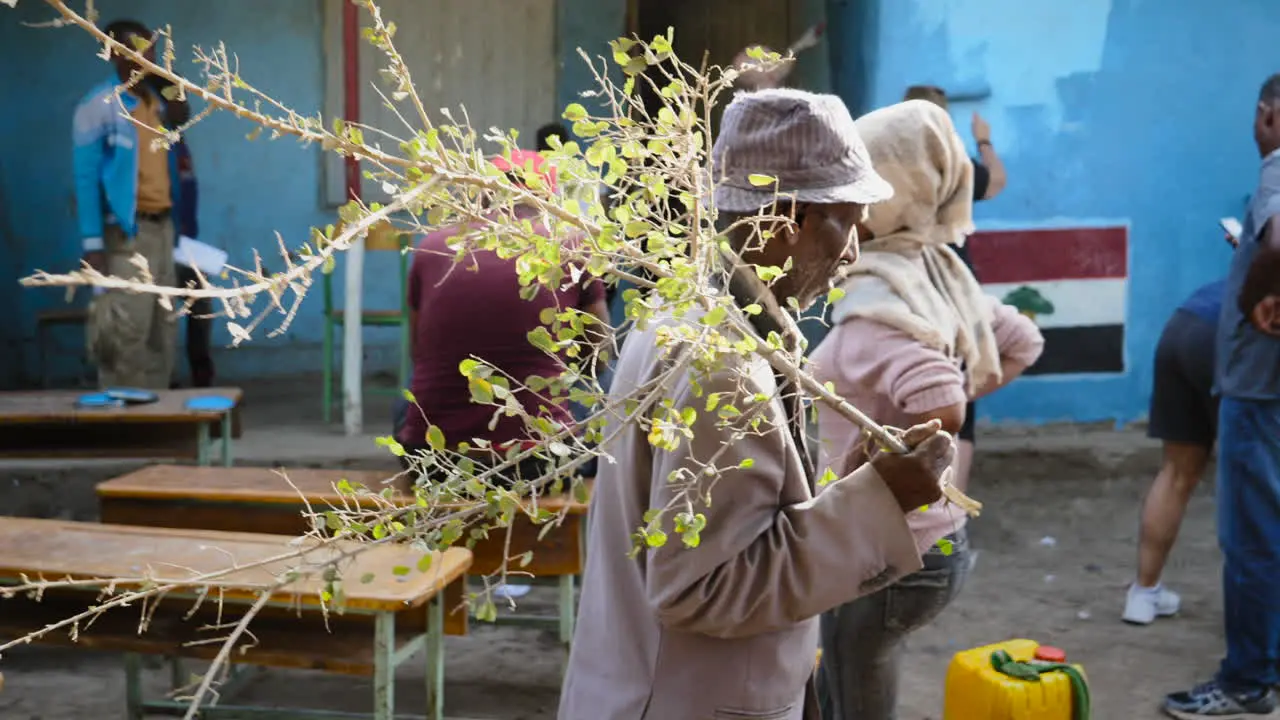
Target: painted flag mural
x=1072, y=281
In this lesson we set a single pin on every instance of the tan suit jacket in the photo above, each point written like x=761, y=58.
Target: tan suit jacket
x=726, y=630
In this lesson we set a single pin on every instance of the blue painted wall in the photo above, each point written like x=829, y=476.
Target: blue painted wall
x=249, y=190
x=1106, y=112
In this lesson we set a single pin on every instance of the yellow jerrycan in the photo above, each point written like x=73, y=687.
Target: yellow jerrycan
x=1015, y=680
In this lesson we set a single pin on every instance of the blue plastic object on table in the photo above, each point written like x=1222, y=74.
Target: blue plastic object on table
x=132, y=396
x=99, y=400
x=210, y=403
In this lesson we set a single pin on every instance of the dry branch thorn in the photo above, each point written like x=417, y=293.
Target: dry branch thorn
x=956, y=496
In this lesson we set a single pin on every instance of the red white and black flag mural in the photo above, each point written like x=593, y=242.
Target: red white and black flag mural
x=1072, y=281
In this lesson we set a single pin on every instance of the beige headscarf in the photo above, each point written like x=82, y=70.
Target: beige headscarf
x=915, y=147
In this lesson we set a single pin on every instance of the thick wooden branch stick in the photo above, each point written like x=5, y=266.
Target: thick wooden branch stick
x=790, y=367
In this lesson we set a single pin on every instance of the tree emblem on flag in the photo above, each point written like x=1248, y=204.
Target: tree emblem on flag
x=1029, y=302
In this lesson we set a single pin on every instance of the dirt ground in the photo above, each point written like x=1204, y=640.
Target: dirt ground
x=1056, y=548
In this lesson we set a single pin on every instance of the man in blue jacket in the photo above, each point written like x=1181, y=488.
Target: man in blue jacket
x=127, y=189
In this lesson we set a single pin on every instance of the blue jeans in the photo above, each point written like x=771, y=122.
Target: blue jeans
x=1249, y=535
x=862, y=640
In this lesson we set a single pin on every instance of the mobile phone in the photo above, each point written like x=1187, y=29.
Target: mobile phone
x=1231, y=226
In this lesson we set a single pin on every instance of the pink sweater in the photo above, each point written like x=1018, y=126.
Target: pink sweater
x=892, y=377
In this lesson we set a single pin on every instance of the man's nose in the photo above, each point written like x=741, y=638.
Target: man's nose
x=850, y=253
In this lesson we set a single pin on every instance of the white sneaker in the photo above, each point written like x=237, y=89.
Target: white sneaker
x=507, y=591
x=1144, y=605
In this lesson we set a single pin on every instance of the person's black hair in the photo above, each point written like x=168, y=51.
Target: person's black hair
x=546, y=131
x=1270, y=93
x=117, y=29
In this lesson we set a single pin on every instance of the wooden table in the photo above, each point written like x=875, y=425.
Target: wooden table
x=382, y=582
x=44, y=424
x=260, y=500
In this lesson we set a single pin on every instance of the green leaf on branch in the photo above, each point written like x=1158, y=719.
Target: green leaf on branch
x=481, y=390
x=540, y=338
x=715, y=316
x=487, y=612
x=768, y=273
x=435, y=437
x=391, y=444
x=690, y=527
x=655, y=538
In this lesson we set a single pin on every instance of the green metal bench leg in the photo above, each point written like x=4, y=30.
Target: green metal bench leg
x=203, y=443
x=384, y=668
x=435, y=659
x=567, y=610
x=326, y=371
x=133, y=687
x=405, y=369
x=405, y=360
x=227, y=459
x=177, y=678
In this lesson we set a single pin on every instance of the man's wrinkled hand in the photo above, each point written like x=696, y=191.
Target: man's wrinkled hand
x=915, y=477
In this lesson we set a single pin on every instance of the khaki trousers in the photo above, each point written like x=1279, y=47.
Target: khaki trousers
x=130, y=336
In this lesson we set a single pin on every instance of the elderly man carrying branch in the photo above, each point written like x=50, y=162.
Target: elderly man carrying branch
x=728, y=628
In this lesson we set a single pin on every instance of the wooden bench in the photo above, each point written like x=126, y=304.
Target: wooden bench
x=260, y=500
x=47, y=423
x=381, y=585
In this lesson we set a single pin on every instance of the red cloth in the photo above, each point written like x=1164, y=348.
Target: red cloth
x=473, y=308
x=528, y=160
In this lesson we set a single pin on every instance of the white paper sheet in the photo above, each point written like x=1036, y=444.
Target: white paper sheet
x=201, y=256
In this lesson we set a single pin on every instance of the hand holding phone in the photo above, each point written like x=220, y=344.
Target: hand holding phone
x=1233, y=229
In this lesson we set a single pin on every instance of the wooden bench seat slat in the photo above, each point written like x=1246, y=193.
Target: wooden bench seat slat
x=59, y=406
x=260, y=500
x=264, y=485
x=47, y=424
x=341, y=646
x=56, y=549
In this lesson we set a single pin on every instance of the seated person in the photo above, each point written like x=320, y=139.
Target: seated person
x=471, y=308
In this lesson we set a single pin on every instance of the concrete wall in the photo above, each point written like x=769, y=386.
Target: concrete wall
x=249, y=190
x=1107, y=112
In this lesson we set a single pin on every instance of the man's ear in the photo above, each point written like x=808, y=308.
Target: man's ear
x=794, y=230
x=1266, y=315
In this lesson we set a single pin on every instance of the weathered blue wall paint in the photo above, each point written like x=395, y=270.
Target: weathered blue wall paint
x=589, y=25
x=1106, y=112
x=249, y=190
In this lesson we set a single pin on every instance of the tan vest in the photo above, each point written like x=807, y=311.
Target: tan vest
x=154, y=192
